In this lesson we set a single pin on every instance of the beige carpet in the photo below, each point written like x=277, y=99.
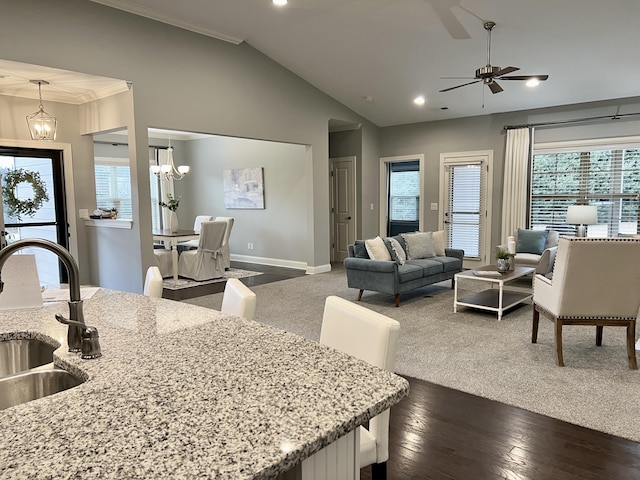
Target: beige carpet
x=473, y=352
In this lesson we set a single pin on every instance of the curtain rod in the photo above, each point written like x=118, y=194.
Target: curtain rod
x=577, y=120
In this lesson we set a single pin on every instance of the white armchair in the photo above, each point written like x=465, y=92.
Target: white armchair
x=543, y=259
x=373, y=338
x=595, y=282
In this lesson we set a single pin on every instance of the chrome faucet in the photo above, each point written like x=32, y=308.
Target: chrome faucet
x=80, y=338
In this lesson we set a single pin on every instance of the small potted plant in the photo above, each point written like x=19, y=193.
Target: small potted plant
x=502, y=260
x=172, y=204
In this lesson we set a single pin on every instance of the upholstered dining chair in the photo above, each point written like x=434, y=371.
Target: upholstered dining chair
x=238, y=299
x=193, y=244
x=164, y=261
x=226, y=251
x=153, y=283
x=204, y=263
x=373, y=338
x=595, y=282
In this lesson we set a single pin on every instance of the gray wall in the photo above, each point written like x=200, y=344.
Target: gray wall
x=181, y=81
x=279, y=232
x=487, y=133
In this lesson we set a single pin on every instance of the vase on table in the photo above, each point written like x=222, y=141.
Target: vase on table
x=502, y=264
x=173, y=222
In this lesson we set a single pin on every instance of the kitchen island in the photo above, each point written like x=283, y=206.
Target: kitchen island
x=185, y=392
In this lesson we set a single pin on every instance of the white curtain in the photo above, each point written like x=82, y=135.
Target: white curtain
x=516, y=166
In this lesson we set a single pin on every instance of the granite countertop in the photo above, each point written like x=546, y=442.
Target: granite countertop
x=184, y=392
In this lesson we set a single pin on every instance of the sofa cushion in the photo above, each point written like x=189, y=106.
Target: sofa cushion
x=360, y=250
x=408, y=272
x=429, y=266
x=377, y=249
x=395, y=250
x=419, y=245
x=449, y=264
x=531, y=241
x=438, y=243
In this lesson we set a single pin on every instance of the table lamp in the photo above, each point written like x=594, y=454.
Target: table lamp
x=581, y=216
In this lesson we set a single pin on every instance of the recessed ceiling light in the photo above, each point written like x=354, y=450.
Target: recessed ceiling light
x=368, y=98
x=419, y=100
x=532, y=82
x=279, y=3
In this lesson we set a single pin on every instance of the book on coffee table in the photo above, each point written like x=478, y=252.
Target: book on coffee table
x=487, y=273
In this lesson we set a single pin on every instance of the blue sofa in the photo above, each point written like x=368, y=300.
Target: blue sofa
x=393, y=278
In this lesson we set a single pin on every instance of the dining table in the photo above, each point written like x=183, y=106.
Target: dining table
x=173, y=238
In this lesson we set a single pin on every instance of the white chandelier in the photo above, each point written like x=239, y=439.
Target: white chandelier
x=169, y=170
x=42, y=125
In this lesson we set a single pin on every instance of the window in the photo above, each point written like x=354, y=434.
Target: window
x=604, y=175
x=113, y=185
x=404, y=197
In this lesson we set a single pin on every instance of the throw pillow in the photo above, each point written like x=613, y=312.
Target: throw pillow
x=360, y=250
x=531, y=241
x=419, y=245
x=376, y=249
x=438, y=243
x=395, y=250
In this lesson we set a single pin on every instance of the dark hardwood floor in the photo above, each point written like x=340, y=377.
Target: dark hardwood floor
x=270, y=274
x=439, y=433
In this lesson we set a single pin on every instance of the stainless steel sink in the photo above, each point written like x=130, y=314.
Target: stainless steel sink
x=33, y=384
x=20, y=355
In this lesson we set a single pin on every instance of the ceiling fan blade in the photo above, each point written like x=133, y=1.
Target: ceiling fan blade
x=504, y=71
x=494, y=87
x=443, y=9
x=542, y=78
x=458, y=86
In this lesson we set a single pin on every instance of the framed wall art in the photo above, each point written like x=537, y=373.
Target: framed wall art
x=244, y=188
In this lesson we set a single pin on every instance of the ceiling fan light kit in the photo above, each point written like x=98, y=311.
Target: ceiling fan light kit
x=490, y=73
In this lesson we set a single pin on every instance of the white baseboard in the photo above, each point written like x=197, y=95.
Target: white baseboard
x=278, y=262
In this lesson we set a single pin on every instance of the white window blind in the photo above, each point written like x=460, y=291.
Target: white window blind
x=113, y=185
x=466, y=212
x=605, y=176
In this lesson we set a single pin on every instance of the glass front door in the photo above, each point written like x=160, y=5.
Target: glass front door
x=50, y=220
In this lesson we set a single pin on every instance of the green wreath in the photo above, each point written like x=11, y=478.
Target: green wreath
x=17, y=207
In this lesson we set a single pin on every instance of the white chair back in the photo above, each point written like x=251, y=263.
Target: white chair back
x=153, y=283
x=238, y=299
x=198, y=222
x=227, y=233
x=372, y=337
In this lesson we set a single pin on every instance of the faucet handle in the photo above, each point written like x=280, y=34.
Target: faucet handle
x=90, y=338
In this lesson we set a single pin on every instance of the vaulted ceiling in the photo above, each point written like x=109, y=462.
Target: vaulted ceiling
x=376, y=56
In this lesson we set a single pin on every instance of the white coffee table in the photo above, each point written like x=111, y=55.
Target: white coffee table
x=493, y=299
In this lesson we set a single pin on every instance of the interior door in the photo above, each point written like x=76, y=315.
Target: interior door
x=343, y=207
x=49, y=221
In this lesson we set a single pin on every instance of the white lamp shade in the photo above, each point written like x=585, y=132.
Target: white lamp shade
x=582, y=215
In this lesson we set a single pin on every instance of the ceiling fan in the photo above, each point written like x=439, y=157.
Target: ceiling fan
x=490, y=73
